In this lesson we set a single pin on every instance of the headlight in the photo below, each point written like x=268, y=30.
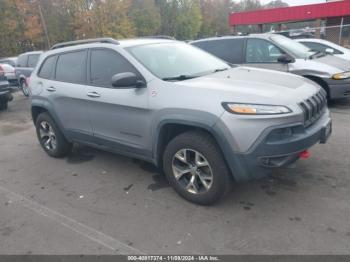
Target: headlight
x=341, y=76
x=255, y=109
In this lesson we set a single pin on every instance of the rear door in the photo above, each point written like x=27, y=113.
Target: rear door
x=120, y=117
x=66, y=92
x=263, y=54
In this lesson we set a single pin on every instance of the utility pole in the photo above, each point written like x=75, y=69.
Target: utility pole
x=43, y=22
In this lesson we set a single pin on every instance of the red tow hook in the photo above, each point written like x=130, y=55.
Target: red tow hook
x=305, y=154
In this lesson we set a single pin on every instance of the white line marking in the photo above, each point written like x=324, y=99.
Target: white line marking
x=84, y=230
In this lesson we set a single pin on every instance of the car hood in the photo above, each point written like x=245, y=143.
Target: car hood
x=245, y=84
x=324, y=67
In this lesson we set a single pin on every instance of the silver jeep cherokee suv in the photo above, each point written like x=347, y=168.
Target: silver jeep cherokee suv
x=202, y=121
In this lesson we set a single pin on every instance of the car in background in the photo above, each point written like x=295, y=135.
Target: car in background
x=5, y=91
x=9, y=60
x=277, y=52
x=322, y=45
x=297, y=33
x=24, y=66
x=10, y=74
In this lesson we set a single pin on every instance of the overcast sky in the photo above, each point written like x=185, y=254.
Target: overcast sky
x=297, y=2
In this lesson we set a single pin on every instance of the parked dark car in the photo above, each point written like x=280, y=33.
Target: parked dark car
x=5, y=91
x=24, y=66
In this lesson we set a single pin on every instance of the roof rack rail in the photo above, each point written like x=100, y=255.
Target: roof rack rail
x=160, y=37
x=85, y=41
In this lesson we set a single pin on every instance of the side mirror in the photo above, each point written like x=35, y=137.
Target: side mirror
x=329, y=51
x=127, y=80
x=285, y=59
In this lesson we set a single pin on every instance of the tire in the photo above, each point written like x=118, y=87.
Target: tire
x=189, y=144
x=46, y=129
x=3, y=105
x=24, y=87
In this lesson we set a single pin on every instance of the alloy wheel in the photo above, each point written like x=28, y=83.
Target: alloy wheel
x=47, y=136
x=192, y=171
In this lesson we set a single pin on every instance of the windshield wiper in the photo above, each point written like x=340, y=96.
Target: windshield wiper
x=314, y=55
x=220, y=70
x=179, y=78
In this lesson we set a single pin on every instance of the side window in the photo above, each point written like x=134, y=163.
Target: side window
x=229, y=50
x=47, y=68
x=320, y=47
x=105, y=64
x=262, y=51
x=33, y=60
x=22, y=61
x=201, y=44
x=71, y=67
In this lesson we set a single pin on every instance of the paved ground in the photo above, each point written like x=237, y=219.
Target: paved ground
x=94, y=202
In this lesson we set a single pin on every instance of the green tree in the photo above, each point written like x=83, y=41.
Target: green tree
x=189, y=19
x=145, y=16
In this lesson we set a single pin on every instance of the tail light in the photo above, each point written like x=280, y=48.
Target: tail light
x=2, y=71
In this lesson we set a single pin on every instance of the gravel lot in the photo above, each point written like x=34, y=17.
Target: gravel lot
x=94, y=202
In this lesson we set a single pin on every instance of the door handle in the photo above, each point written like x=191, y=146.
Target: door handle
x=51, y=89
x=93, y=94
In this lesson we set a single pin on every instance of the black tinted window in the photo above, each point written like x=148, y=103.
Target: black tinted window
x=33, y=60
x=71, y=67
x=230, y=50
x=47, y=68
x=262, y=51
x=106, y=63
x=201, y=44
x=22, y=61
x=320, y=47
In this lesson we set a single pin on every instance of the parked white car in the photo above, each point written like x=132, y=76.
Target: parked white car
x=326, y=46
x=10, y=74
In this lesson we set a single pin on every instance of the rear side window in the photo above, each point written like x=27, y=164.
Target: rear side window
x=33, y=60
x=22, y=61
x=105, y=64
x=320, y=47
x=47, y=69
x=230, y=50
x=71, y=67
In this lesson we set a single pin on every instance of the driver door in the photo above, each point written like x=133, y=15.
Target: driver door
x=118, y=115
x=264, y=54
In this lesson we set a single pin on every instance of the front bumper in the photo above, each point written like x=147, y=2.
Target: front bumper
x=278, y=147
x=338, y=88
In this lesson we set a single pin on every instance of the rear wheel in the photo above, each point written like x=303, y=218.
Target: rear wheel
x=50, y=137
x=24, y=87
x=196, y=169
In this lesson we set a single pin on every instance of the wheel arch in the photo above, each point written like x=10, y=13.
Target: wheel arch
x=169, y=129
x=319, y=81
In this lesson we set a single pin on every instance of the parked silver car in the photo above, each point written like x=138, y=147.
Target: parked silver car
x=203, y=122
x=24, y=66
x=280, y=53
x=322, y=45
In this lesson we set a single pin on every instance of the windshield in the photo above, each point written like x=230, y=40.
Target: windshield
x=296, y=49
x=176, y=61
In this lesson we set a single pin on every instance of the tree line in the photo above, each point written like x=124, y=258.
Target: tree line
x=36, y=24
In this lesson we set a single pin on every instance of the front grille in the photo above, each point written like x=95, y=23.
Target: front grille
x=313, y=107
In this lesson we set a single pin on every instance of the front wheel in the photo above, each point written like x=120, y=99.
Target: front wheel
x=24, y=87
x=195, y=168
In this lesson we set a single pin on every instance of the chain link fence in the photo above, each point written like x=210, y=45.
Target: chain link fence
x=338, y=34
